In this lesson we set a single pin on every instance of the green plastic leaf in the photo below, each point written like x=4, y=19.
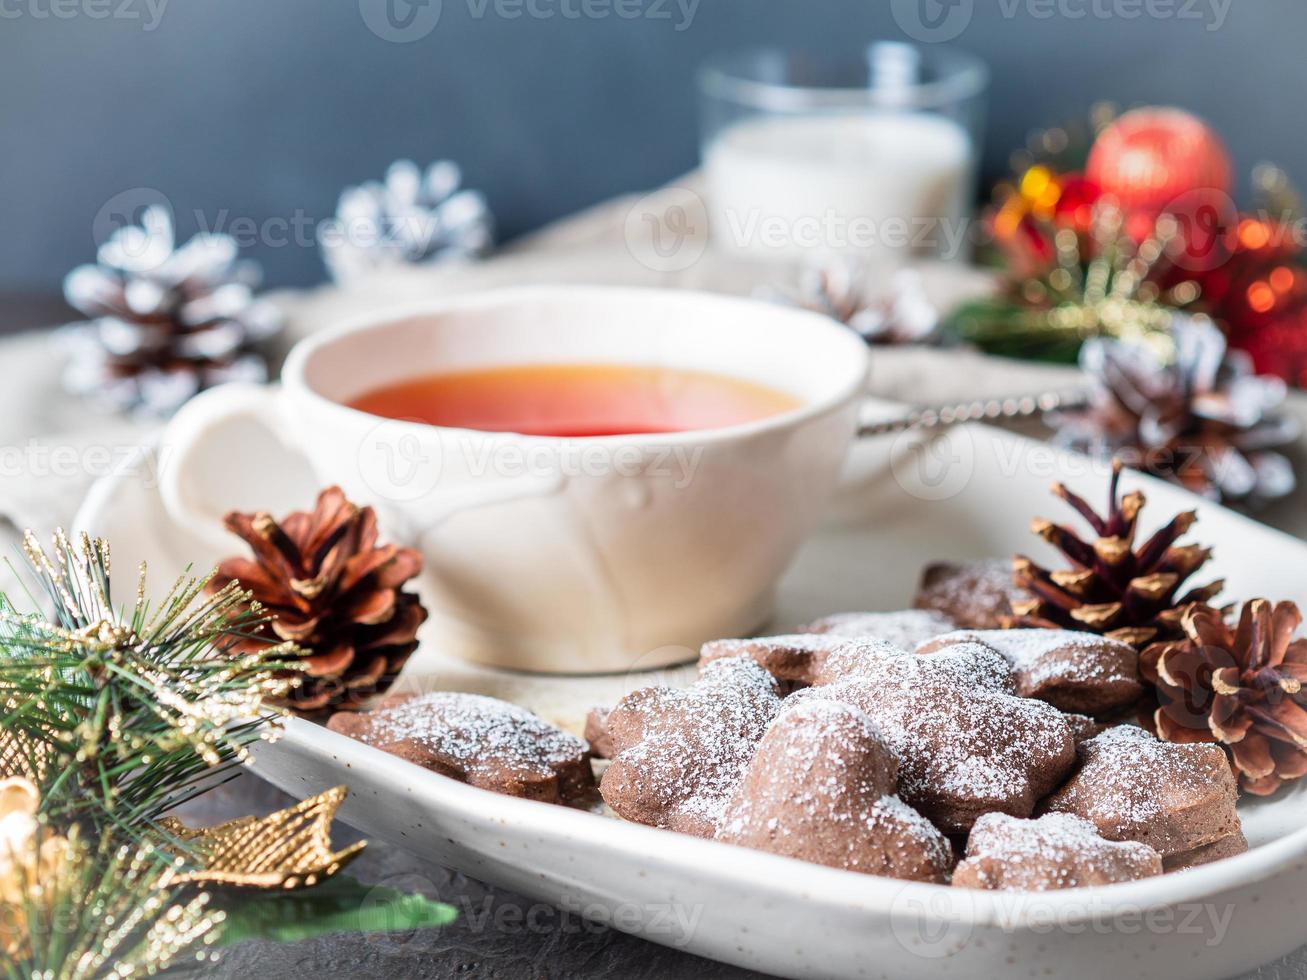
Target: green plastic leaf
x=341, y=905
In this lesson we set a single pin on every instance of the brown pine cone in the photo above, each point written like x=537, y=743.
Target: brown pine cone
x=1124, y=592
x=334, y=592
x=1241, y=687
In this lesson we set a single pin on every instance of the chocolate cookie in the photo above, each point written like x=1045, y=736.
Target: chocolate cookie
x=477, y=740
x=1175, y=798
x=794, y=660
x=1054, y=852
x=1083, y=728
x=596, y=732
x=678, y=755
x=1078, y=672
x=821, y=788
x=906, y=628
x=967, y=745
x=976, y=595
x=1230, y=846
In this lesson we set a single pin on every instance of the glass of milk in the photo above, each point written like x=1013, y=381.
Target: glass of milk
x=870, y=156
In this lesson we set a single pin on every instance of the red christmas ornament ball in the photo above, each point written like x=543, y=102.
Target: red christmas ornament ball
x=1150, y=158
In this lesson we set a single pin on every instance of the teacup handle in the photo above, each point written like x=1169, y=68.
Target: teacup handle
x=189, y=435
x=207, y=418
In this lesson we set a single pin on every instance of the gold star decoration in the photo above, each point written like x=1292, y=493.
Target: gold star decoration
x=286, y=850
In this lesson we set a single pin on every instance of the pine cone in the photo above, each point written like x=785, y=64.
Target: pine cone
x=335, y=593
x=842, y=291
x=1198, y=415
x=412, y=217
x=166, y=322
x=1241, y=687
x=1113, y=588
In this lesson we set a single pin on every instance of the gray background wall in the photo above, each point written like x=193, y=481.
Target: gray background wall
x=265, y=108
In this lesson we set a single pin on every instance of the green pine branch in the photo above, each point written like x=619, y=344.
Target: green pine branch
x=120, y=715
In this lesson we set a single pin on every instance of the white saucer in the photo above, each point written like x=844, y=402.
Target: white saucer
x=970, y=493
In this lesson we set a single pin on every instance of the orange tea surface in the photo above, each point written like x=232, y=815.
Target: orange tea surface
x=577, y=400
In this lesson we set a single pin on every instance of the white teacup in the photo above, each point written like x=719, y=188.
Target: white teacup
x=556, y=554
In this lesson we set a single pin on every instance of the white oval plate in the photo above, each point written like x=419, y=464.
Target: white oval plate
x=967, y=493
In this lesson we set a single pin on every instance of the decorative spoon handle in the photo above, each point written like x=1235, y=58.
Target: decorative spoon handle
x=988, y=410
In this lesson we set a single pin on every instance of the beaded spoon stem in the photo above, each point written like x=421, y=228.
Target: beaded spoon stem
x=981, y=410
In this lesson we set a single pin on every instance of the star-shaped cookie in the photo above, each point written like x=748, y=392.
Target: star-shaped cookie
x=1054, y=852
x=967, y=745
x=821, y=788
x=678, y=754
x=1082, y=673
x=477, y=740
x=1178, y=799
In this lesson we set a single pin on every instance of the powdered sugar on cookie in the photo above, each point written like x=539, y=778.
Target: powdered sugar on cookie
x=821, y=788
x=479, y=740
x=1132, y=786
x=798, y=660
x=679, y=754
x=975, y=595
x=966, y=746
x=470, y=727
x=1077, y=672
x=1054, y=852
x=905, y=628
